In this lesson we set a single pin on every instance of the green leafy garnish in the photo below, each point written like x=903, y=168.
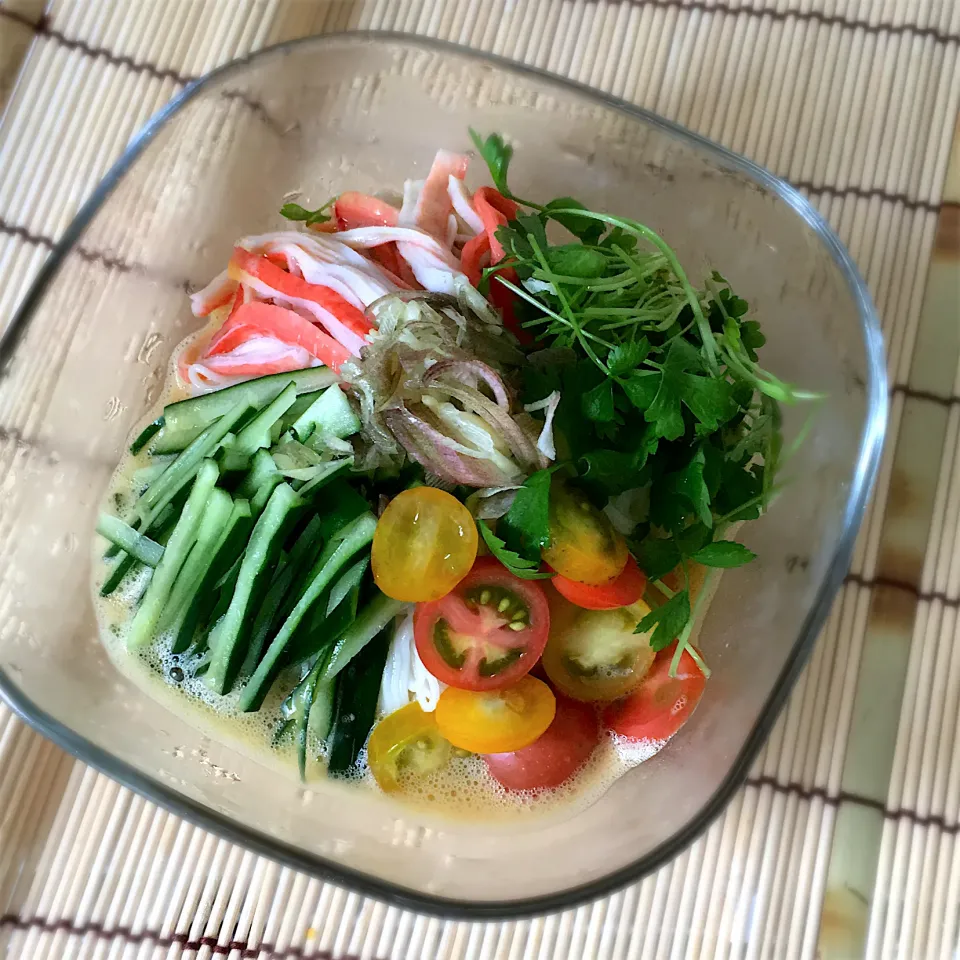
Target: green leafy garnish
x=662, y=397
x=293, y=211
x=724, y=553
x=496, y=155
x=527, y=522
x=667, y=621
x=517, y=565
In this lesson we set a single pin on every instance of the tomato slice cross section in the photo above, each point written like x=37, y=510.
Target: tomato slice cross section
x=487, y=632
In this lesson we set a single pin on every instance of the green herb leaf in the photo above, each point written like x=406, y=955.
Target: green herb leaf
x=724, y=553
x=587, y=230
x=611, y=471
x=496, y=155
x=676, y=495
x=575, y=260
x=625, y=357
x=597, y=404
x=517, y=565
x=293, y=211
x=657, y=557
x=666, y=621
x=642, y=387
x=527, y=521
x=708, y=398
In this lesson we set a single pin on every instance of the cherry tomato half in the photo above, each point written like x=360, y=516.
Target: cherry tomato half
x=595, y=654
x=584, y=545
x=496, y=721
x=424, y=545
x=405, y=742
x=553, y=757
x=621, y=591
x=660, y=706
x=487, y=633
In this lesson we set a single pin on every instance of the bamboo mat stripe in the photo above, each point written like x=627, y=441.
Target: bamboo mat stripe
x=856, y=103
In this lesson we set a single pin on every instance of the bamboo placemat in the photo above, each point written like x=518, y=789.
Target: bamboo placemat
x=843, y=843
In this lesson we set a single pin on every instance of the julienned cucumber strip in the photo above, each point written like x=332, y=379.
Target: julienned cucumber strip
x=181, y=471
x=164, y=525
x=227, y=639
x=346, y=584
x=260, y=498
x=124, y=536
x=370, y=621
x=329, y=414
x=262, y=469
x=357, y=691
x=233, y=538
x=318, y=632
x=322, y=475
x=336, y=555
x=146, y=435
x=284, y=591
x=186, y=420
x=256, y=434
x=181, y=540
x=302, y=403
x=215, y=518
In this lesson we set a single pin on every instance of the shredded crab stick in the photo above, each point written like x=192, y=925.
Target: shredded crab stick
x=217, y=293
x=257, y=357
x=342, y=319
x=462, y=204
x=266, y=319
x=434, y=266
x=434, y=206
x=258, y=339
x=354, y=209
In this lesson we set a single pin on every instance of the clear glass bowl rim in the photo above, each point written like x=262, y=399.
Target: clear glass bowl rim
x=867, y=466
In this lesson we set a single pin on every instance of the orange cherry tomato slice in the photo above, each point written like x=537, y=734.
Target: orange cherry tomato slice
x=424, y=545
x=621, y=591
x=584, y=545
x=496, y=721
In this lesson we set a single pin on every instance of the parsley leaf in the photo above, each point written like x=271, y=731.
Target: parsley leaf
x=517, y=565
x=724, y=553
x=575, y=260
x=675, y=496
x=293, y=211
x=527, y=522
x=657, y=557
x=496, y=154
x=708, y=398
x=666, y=621
x=597, y=404
x=588, y=231
x=624, y=357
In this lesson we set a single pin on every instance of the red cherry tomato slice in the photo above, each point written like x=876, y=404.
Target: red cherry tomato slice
x=555, y=756
x=661, y=704
x=621, y=591
x=487, y=632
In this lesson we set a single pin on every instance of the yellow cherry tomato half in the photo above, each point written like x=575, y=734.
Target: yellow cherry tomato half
x=584, y=545
x=404, y=743
x=424, y=545
x=594, y=655
x=496, y=721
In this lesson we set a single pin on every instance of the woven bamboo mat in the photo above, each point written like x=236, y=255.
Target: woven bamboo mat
x=843, y=843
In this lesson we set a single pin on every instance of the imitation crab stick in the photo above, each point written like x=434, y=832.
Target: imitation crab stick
x=345, y=322
x=257, y=319
x=434, y=205
x=354, y=209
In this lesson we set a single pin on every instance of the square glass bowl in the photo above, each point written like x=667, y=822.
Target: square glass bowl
x=88, y=353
